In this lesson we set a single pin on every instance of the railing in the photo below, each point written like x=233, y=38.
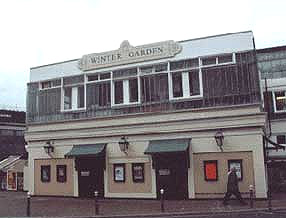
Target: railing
x=218, y=101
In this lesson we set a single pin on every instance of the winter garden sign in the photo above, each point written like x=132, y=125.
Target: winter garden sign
x=128, y=54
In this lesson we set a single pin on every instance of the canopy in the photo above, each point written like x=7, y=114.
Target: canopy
x=167, y=146
x=86, y=150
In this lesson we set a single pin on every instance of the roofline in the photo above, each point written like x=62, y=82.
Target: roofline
x=219, y=35
x=276, y=48
x=206, y=37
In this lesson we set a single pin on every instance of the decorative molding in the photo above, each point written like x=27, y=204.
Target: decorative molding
x=128, y=54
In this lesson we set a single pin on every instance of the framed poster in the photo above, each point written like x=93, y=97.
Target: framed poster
x=138, y=172
x=12, y=184
x=237, y=164
x=119, y=172
x=45, y=173
x=210, y=170
x=61, y=173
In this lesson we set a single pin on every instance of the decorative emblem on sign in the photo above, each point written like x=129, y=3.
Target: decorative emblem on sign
x=127, y=54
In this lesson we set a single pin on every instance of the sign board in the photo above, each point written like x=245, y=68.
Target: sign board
x=128, y=54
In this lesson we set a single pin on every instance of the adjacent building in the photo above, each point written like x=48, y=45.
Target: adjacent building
x=272, y=66
x=129, y=122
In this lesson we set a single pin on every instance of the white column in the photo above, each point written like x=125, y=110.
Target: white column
x=74, y=97
x=185, y=84
x=125, y=91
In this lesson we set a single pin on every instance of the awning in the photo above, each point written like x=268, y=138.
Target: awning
x=167, y=146
x=86, y=150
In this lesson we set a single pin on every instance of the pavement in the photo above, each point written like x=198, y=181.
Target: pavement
x=14, y=204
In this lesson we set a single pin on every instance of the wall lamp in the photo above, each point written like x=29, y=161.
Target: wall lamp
x=123, y=144
x=219, y=139
x=49, y=148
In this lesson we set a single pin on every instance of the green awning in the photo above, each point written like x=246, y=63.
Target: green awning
x=167, y=146
x=86, y=150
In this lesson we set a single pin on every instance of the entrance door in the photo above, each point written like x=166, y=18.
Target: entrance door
x=90, y=177
x=172, y=176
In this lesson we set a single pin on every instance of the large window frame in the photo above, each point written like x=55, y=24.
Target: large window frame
x=45, y=173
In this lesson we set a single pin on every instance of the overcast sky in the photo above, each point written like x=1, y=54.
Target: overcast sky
x=39, y=32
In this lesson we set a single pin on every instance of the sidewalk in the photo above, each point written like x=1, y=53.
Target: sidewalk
x=15, y=203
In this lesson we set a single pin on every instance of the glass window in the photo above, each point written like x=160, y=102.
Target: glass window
x=7, y=132
x=105, y=76
x=46, y=85
x=133, y=90
x=154, y=88
x=225, y=59
x=61, y=173
x=280, y=100
x=46, y=173
x=177, y=85
x=92, y=77
x=209, y=61
x=74, y=97
x=19, y=133
x=118, y=89
x=281, y=139
x=194, y=83
x=67, y=98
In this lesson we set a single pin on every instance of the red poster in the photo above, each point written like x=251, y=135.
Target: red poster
x=211, y=171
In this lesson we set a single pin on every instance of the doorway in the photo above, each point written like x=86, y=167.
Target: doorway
x=90, y=176
x=172, y=175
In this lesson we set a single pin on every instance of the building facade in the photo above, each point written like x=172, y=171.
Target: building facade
x=132, y=121
x=272, y=67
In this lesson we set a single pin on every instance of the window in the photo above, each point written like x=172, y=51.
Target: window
x=280, y=101
x=210, y=170
x=61, y=173
x=74, y=98
x=19, y=133
x=45, y=173
x=126, y=91
x=50, y=84
x=119, y=172
x=7, y=132
x=209, y=61
x=154, y=88
x=238, y=166
x=186, y=84
x=225, y=59
x=138, y=172
x=216, y=60
x=281, y=139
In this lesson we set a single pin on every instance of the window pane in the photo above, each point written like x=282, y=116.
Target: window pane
x=280, y=99
x=105, y=76
x=161, y=67
x=118, y=89
x=281, y=139
x=177, y=85
x=194, y=83
x=104, y=94
x=46, y=173
x=184, y=64
x=68, y=98
x=225, y=59
x=93, y=77
x=209, y=61
x=133, y=90
x=154, y=88
x=61, y=173
x=80, y=97
x=46, y=85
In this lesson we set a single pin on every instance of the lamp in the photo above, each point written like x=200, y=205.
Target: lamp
x=49, y=148
x=123, y=144
x=219, y=139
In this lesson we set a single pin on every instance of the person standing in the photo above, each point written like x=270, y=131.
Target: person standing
x=232, y=188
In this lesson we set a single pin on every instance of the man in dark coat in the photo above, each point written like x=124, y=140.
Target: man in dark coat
x=232, y=188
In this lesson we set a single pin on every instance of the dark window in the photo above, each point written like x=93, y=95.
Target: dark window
x=45, y=173
x=281, y=139
x=105, y=76
x=177, y=85
x=46, y=84
x=68, y=98
x=19, y=133
x=98, y=94
x=118, y=92
x=61, y=173
x=93, y=77
x=194, y=83
x=119, y=172
x=154, y=88
x=133, y=90
x=138, y=172
x=190, y=63
x=225, y=59
x=210, y=170
x=80, y=101
x=209, y=61
x=7, y=132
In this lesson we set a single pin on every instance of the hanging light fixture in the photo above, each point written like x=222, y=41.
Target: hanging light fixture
x=49, y=148
x=219, y=137
x=123, y=144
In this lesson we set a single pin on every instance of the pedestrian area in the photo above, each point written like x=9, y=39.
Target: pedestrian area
x=15, y=204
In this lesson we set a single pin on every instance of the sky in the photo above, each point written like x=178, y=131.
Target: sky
x=40, y=32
